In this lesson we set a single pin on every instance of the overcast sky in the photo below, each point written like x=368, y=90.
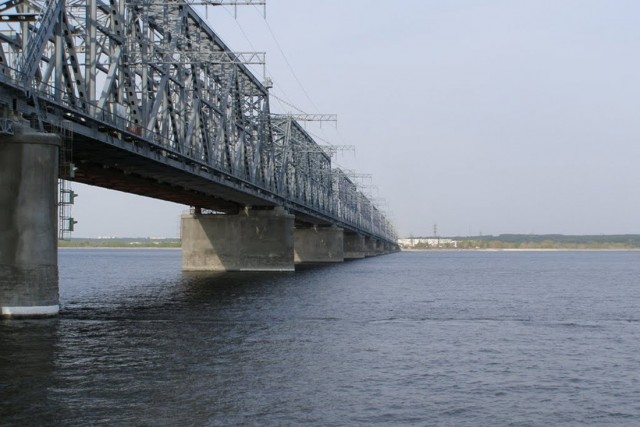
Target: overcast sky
x=478, y=116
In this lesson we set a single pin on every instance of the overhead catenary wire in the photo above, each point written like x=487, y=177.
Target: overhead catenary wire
x=288, y=104
x=286, y=60
x=284, y=99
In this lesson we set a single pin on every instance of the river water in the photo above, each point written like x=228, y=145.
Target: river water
x=427, y=338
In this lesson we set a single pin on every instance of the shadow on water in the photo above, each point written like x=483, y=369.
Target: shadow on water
x=131, y=293
x=205, y=286
x=210, y=296
x=28, y=351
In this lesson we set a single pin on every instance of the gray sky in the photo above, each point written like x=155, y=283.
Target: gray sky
x=481, y=116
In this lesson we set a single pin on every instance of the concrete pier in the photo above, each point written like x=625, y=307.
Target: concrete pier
x=370, y=247
x=354, y=246
x=387, y=248
x=318, y=245
x=379, y=245
x=28, y=224
x=254, y=240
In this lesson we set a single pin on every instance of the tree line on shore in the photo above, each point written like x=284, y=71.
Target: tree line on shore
x=142, y=242
x=540, y=241
x=502, y=241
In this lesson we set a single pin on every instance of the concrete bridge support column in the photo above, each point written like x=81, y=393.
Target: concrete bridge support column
x=319, y=245
x=28, y=224
x=254, y=240
x=370, y=247
x=382, y=247
x=354, y=246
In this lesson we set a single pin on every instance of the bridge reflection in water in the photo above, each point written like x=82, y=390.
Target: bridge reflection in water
x=143, y=97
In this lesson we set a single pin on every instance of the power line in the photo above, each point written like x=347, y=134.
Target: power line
x=288, y=103
x=279, y=99
x=286, y=60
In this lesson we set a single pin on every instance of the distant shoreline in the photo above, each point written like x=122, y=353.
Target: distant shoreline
x=403, y=250
x=126, y=248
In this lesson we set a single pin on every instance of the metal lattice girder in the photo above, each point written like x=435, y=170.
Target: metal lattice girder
x=301, y=163
x=19, y=17
x=330, y=150
x=308, y=117
x=201, y=2
x=156, y=75
x=36, y=41
x=202, y=57
x=357, y=175
x=10, y=4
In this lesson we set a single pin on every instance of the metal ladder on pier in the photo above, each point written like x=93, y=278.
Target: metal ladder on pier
x=66, y=195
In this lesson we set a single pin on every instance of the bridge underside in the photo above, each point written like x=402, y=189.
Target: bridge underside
x=155, y=173
x=113, y=168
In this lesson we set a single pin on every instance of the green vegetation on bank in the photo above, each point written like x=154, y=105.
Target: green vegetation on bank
x=544, y=241
x=124, y=242
x=503, y=241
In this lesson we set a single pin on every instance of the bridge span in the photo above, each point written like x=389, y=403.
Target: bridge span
x=142, y=96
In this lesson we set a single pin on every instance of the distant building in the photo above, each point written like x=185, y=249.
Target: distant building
x=431, y=242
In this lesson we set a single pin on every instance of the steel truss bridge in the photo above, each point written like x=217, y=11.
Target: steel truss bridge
x=156, y=104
